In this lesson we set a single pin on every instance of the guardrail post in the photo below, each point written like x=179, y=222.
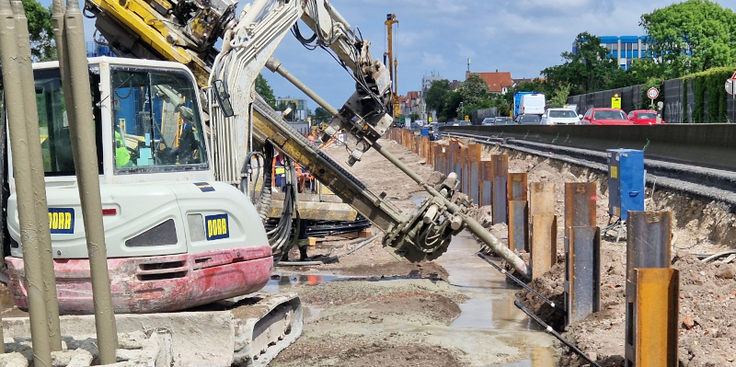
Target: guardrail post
x=500, y=176
x=651, y=287
x=474, y=152
x=543, y=227
x=518, y=212
x=582, y=251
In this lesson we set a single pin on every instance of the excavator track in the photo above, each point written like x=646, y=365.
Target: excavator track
x=265, y=328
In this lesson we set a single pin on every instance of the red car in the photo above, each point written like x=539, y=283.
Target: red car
x=644, y=117
x=605, y=116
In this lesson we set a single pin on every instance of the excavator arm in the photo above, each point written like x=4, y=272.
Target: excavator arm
x=188, y=31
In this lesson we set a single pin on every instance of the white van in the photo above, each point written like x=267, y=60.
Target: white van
x=532, y=104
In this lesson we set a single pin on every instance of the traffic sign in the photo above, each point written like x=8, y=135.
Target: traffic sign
x=616, y=101
x=652, y=93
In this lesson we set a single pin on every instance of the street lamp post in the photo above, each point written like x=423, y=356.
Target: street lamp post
x=462, y=111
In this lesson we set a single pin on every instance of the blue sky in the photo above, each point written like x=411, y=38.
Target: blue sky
x=438, y=36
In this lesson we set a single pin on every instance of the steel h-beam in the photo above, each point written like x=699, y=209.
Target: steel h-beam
x=652, y=291
x=487, y=182
x=473, y=165
x=518, y=212
x=543, y=242
x=500, y=176
x=582, y=251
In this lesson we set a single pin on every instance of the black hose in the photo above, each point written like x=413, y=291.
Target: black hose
x=552, y=331
x=521, y=283
x=265, y=199
x=246, y=169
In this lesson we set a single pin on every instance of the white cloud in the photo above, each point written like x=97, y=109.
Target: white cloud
x=433, y=61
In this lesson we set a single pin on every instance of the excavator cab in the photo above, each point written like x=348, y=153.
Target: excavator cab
x=171, y=230
x=156, y=120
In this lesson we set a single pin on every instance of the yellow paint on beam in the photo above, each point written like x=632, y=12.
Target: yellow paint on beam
x=656, y=315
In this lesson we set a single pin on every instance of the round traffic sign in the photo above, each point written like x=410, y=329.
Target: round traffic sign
x=652, y=93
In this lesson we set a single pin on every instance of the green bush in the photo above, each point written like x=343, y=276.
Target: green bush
x=708, y=87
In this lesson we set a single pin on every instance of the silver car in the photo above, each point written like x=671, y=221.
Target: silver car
x=560, y=116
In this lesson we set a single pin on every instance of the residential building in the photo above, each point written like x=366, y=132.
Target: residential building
x=498, y=82
x=411, y=103
x=454, y=84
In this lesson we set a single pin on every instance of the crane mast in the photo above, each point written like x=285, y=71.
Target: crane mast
x=393, y=64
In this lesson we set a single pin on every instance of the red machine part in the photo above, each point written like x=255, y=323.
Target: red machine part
x=155, y=284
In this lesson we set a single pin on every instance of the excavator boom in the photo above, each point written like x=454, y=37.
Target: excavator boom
x=240, y=122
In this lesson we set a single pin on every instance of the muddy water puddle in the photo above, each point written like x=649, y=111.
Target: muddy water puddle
x=489, y=326
x=491, y=309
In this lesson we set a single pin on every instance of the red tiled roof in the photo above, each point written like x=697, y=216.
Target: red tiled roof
x=496, y=81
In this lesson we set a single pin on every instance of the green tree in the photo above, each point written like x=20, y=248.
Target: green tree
x=451, y=109
x=265, y=91
x=691, y=36
x=41, y=31
x=559, y=97
x=639, y=72
x=474, y=92
x=321, y=115
x=588, y=70
x=438, y=95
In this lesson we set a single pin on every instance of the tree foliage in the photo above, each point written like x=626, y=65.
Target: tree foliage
x=437, y=95
x=470, y=95
x=41, y=31
x=588, y=70
x=559, y=97
x=321, y=115
x=691, y=36
x=473, y=91
x=265, y=91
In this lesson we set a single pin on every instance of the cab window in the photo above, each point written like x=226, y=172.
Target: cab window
x=53, y=122
x=156, y=122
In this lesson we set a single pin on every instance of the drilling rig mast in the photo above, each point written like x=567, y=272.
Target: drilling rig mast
x=392, y=64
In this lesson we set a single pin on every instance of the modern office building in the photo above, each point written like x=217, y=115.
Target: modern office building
x=625, y=48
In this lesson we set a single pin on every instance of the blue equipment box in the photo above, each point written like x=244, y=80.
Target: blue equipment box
x=625, y=182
